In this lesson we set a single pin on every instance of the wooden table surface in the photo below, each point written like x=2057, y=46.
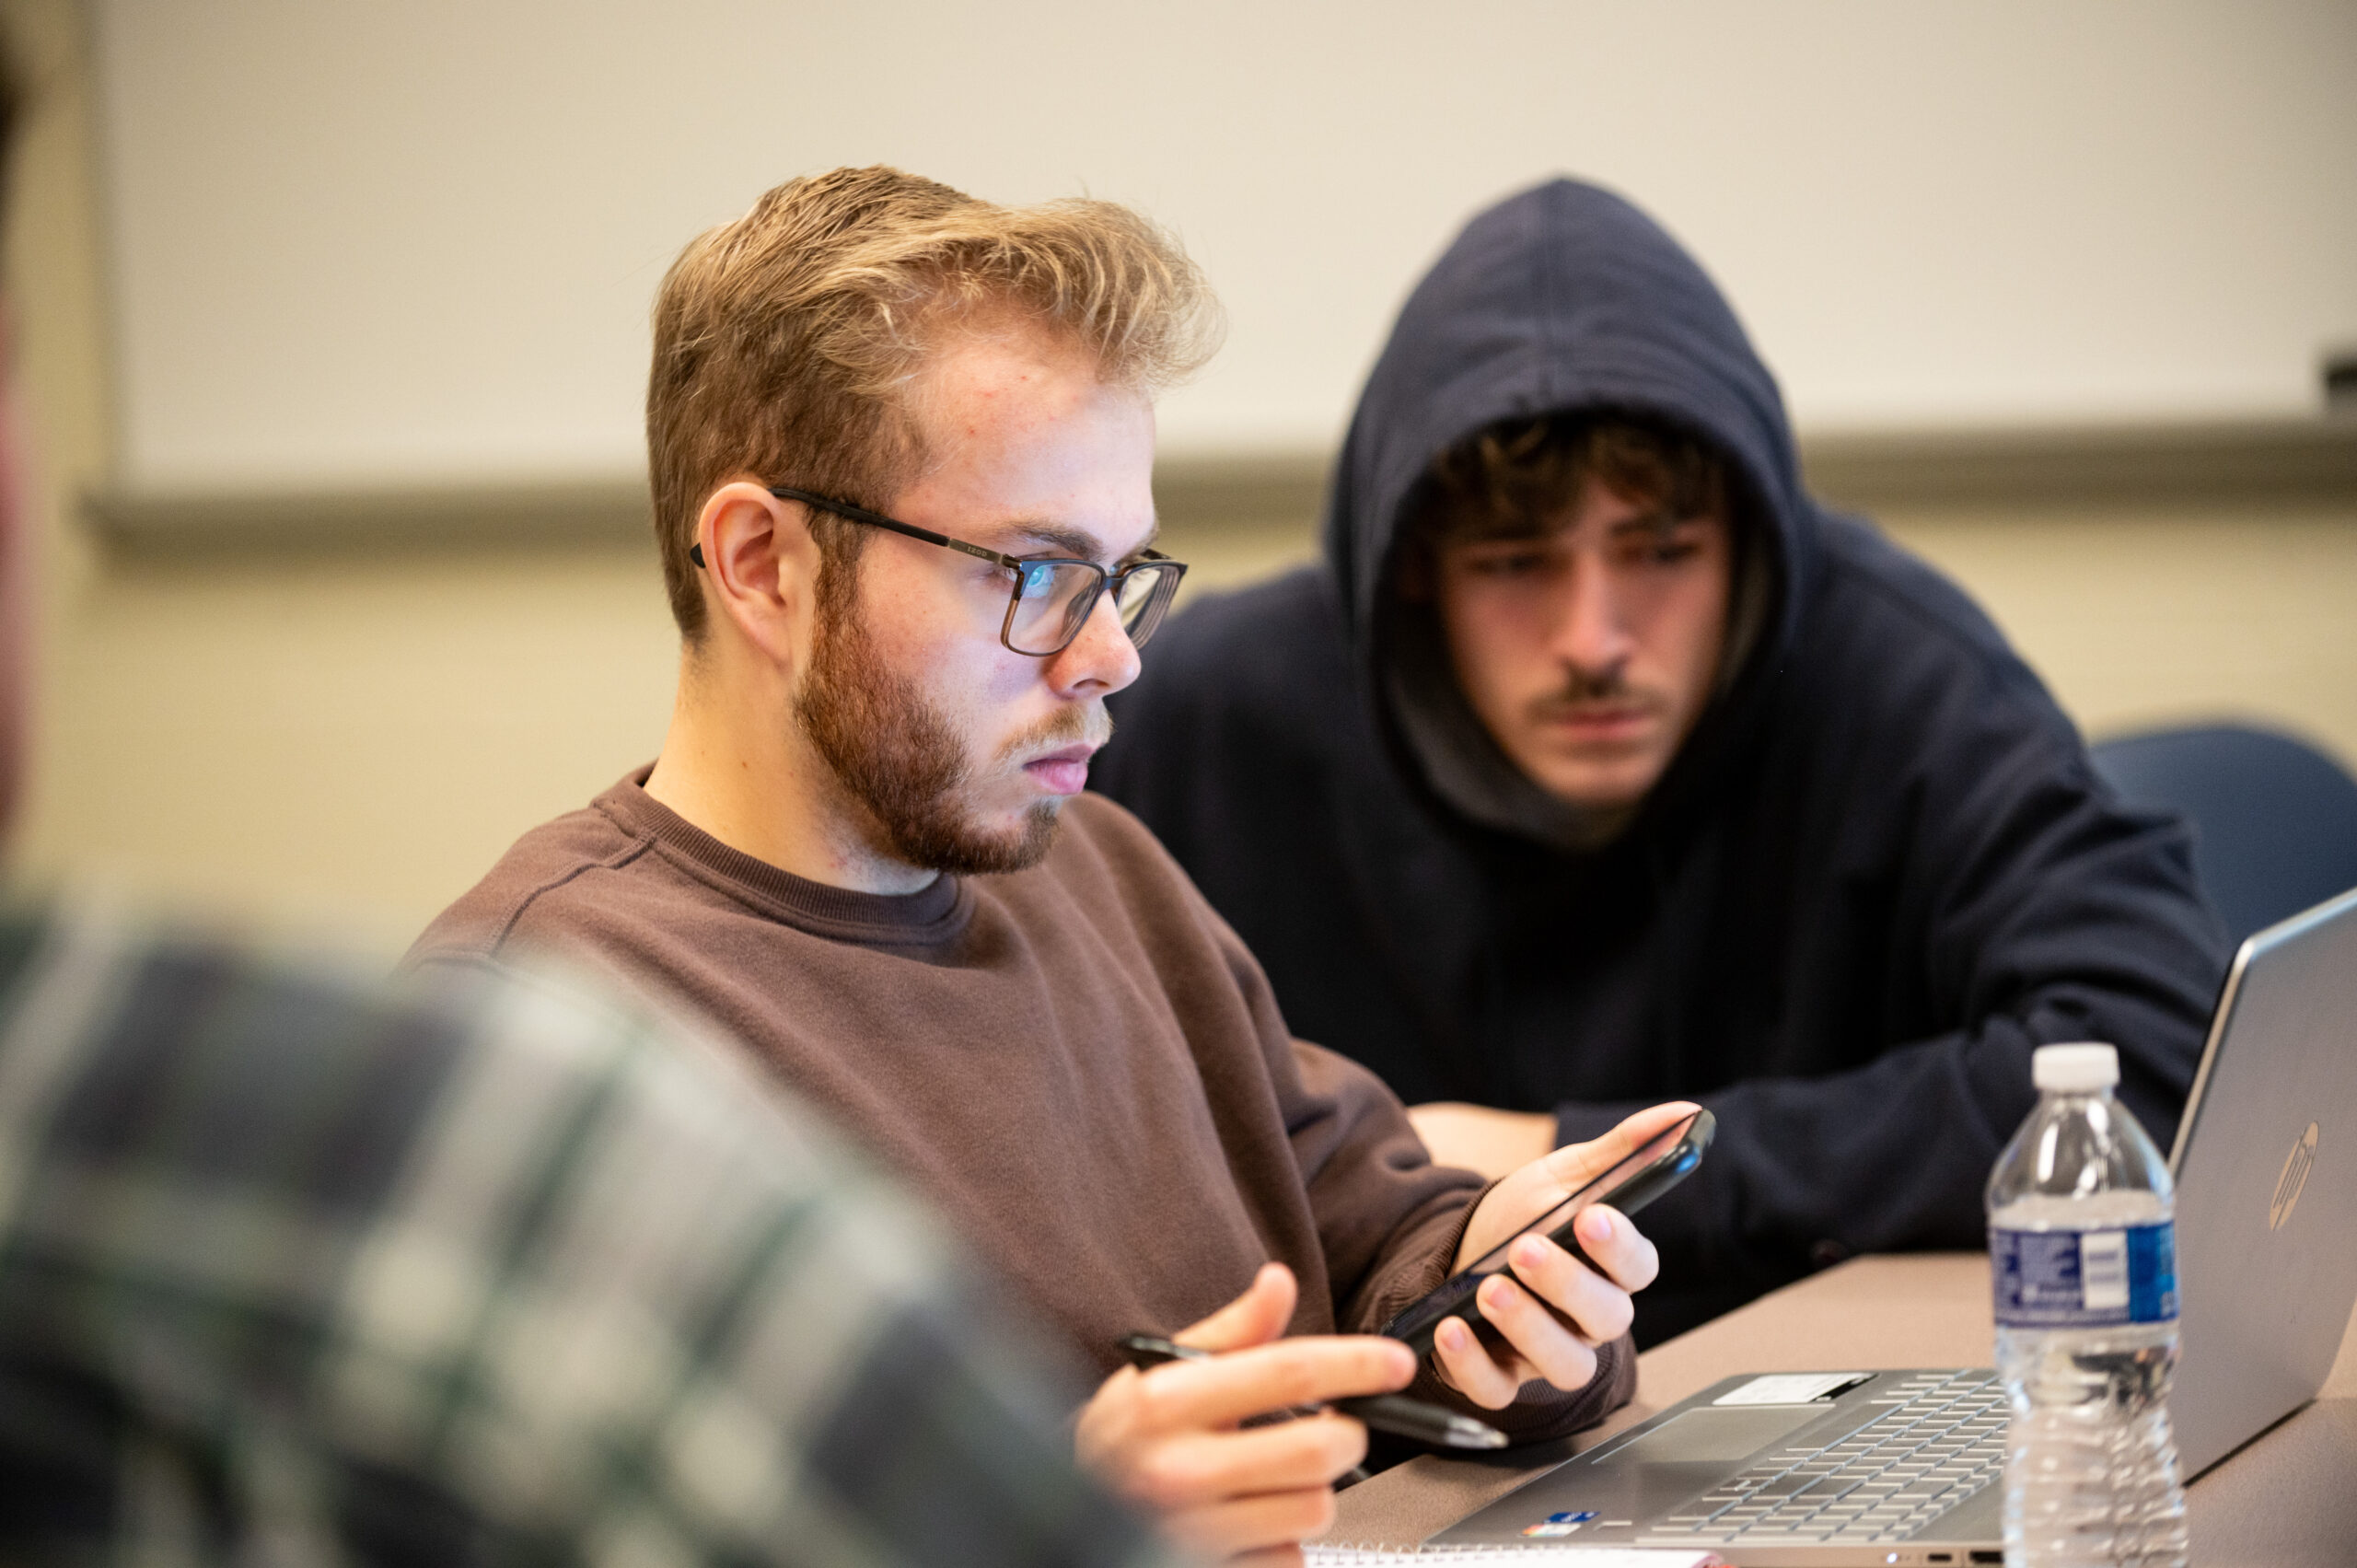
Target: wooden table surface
x=2288, y=1500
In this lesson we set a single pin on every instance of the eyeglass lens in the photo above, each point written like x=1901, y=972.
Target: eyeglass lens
x=1144, y=594
x=1052, y=599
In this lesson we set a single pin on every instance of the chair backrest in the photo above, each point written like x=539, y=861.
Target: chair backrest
x=2275, y=819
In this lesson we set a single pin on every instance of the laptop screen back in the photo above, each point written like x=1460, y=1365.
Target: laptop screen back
x=2266, y=1169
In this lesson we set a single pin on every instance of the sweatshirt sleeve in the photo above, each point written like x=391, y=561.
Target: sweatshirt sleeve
x=2029, y=907
x=1390, y=1222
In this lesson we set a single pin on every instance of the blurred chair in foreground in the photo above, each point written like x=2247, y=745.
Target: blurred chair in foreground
x=2275, y=819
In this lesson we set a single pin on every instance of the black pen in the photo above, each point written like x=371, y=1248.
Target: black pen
x=1395, y=1413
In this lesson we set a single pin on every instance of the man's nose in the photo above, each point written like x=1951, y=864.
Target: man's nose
x=1098, y=662
x=1591, y=631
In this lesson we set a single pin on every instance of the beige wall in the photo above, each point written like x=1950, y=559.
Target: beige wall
x=345, y=744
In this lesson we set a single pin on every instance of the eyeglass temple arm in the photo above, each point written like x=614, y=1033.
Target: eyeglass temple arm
x=878, y=519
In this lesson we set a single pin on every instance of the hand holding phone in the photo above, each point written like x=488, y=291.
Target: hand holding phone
x=1647, y=1172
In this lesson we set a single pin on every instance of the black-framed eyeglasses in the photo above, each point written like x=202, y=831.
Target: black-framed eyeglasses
x=1051, y=599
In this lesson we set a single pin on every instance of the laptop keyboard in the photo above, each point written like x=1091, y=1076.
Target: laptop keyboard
x=1943, y=1441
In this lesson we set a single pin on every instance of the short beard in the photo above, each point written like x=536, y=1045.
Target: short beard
x=897, y=755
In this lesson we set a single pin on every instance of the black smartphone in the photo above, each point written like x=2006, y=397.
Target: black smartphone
x=1659, y=1163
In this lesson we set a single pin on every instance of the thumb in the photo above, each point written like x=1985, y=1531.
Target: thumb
x=1255, y=1317
x=1523, y=1198
x=1575, y=1165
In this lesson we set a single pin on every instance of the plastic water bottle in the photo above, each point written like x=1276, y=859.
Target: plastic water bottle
x=2082, y=1245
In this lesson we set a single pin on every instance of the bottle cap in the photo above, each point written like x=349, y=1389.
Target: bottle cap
x=2074, y=1069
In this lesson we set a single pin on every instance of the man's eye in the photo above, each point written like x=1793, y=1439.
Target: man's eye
x=1521, y=563
x=1658, y=547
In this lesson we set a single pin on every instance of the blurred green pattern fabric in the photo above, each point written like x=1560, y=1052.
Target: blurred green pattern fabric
x=300, y=1266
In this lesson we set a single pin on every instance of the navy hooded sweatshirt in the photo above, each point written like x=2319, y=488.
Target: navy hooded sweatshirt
x=1879, y=872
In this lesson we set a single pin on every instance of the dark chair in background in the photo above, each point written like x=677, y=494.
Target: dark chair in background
x=2275, y=819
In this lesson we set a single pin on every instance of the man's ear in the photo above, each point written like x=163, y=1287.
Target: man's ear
x=760, y=568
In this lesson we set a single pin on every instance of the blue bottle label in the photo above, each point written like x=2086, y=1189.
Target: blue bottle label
x=2084, y=1278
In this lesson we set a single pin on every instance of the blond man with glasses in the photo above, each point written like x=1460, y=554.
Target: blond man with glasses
x=902, y=444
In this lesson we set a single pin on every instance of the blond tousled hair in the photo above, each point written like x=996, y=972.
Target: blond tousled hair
x=784, y=341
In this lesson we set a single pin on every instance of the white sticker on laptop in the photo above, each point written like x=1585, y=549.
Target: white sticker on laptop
x=1792, y=1387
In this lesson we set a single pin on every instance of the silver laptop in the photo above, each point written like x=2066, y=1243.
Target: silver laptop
x=1905, y=1467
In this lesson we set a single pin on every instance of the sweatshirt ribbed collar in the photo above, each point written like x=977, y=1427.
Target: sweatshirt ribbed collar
x=931, y=916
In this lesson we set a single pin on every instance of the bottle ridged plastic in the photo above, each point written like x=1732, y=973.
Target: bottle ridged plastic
x=2081, y=1241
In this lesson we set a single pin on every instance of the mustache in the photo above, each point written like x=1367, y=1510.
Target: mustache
x=1087, y=723
x=1581, y=687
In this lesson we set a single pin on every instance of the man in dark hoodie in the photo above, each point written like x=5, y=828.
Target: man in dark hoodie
x=1597, y=763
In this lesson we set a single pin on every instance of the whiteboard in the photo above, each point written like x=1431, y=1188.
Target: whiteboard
x=362, y=243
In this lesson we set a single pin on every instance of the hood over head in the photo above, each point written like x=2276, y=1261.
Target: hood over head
x=1563, y=299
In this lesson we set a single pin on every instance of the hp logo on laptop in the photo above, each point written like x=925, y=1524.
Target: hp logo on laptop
x=2296, y=1166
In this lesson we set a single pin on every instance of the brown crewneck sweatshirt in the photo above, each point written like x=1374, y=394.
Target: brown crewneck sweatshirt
x=1079, y=1064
